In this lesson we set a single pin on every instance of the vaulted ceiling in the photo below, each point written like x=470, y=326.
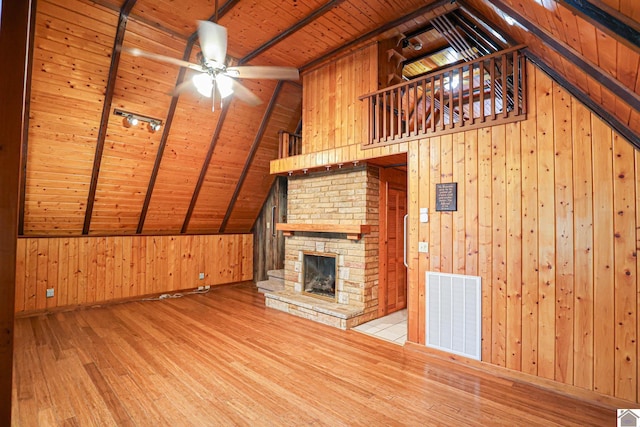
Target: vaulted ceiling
x=206, y=171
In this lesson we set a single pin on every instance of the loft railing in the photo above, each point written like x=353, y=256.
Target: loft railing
x=486, y=91
x=290, y=144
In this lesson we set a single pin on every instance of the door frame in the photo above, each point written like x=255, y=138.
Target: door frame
x=387, y=177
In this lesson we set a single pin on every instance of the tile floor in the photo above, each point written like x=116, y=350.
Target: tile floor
x=391, y=328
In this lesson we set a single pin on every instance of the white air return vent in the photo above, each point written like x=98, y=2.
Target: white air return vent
x=454, y=314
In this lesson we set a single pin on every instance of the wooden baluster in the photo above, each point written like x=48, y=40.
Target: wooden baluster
x=424, y=106
x=441, y=106
x=516, y=83
x=399, y=97
x=461, y=96
x=523, y=84
x=481, y=83
x=372, y=114
x=451, y=103
x=492, y=84
x=415, y=109
x=385, y=118
x=505, y=93
x=472, y=110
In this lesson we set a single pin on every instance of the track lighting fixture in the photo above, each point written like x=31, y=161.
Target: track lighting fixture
x=131, y=119
x=405, y=43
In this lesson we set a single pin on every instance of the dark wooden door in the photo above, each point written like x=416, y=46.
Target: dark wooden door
x=392, y=290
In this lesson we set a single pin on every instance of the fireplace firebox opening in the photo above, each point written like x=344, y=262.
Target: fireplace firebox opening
x=319, y=273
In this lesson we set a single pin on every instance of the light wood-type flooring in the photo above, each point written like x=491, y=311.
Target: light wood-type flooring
x=223, y=358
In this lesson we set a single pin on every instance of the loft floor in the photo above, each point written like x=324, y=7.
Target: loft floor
x=223, y=358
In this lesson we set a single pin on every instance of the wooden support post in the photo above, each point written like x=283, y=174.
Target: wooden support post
x=14, y=42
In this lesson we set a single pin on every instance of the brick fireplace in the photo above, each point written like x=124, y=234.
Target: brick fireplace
x=324, y=209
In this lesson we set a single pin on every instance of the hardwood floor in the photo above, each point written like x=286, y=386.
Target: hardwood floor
x=225, y=359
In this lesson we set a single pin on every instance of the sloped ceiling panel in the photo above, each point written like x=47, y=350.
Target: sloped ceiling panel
x=143, y=86
x=70, y=66
x=228, y=160
x=284, y=116
x=164, y=182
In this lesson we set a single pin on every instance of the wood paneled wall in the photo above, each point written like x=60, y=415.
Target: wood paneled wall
x=548, y=215
x=88, y=270
x=268, y=247
x=331, y=112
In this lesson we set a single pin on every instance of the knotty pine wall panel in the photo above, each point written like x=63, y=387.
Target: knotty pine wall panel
x=91, y=270
x=331, y=112
x=548, y=216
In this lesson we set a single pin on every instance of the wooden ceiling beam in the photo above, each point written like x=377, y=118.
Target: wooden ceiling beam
x=596, y=108
x=286, y=33
x=605, y=79
x=502, y=39
x=225, y=8
x=608, y=20
x=475, y=34
x=205, y=167
x=371, y=34
x=252, y=153
x=106, y=109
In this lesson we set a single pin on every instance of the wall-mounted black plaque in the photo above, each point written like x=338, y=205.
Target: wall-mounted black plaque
x=447, y=196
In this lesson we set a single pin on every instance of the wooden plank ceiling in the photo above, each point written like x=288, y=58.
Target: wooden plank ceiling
x=208, y=171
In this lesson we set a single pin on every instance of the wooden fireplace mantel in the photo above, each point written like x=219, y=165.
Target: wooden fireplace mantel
x=353, y=232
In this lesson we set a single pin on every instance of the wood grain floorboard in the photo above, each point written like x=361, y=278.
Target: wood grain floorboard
x=223, y=358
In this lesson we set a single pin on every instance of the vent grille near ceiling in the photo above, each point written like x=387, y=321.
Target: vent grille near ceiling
x=454, y=314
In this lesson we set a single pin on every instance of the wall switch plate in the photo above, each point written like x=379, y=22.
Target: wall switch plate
x=201, y=276
x=424, y=214
x=423, y=247
x=50, y=293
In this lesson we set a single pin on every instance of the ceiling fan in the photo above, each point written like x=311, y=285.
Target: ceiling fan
x=213, y=75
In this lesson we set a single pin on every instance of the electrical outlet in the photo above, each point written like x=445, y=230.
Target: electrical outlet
x=50, y=293
x=423, y=247
x=201, y=276
x=203, y=288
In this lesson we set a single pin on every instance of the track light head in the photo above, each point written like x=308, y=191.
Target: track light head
x=154, y=126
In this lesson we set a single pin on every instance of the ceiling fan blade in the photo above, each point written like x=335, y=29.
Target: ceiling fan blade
x=187, y=84
x=162, y=58
x=263, y=72
x=213, y=41
x=245, y=95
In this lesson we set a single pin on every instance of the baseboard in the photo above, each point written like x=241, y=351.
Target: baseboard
x=591, y=396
